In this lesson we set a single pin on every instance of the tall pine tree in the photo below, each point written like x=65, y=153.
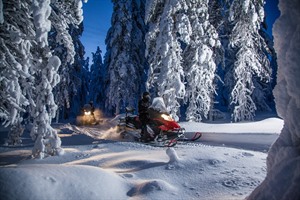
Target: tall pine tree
x=250, y=61
x=16, y=79
x=35, y=61
x=165, y=53
x=98, y=77
x=200, y=62
x=124, y=59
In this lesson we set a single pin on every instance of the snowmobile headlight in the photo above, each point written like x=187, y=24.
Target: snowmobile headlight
x=167, y=117
x=87, y=112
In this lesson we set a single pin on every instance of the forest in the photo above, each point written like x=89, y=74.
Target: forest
x=205, y=58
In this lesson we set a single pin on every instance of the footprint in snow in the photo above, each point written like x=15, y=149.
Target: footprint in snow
x=128, y=175
x=236, y=183
x=247, y=154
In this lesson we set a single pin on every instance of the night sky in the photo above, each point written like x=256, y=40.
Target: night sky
x=97, y=21
x=271, y=13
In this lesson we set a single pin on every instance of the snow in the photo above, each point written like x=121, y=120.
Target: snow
x=158, y=104
x=99, y=165
x=283, y=161
x=41, y=11
x=1, y=12
x=264, y=126
x=79, y=11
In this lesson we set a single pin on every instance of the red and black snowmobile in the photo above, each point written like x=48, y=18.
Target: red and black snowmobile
x=165, y=131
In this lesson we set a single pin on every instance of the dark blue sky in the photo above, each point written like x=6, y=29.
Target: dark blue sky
x=271, y=13
x=97, y=21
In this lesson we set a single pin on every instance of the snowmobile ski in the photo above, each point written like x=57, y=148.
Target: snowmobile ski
x=165, y=143
x=195, y=137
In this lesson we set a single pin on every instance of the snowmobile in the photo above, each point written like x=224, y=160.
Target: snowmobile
x=163, y=129
x=87, y=116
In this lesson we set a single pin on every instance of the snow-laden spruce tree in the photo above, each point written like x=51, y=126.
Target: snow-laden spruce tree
x=72, y=91
x=200, y=65
x=283, y=161
x=262, y=94
x=124, y=59
x=97, y=83
x=153, y=12
x=64, y=40
x=46, y=67
x=82, y=74
x=16, y=56
x=29, y=70
x=165, y=76
x=250, y=61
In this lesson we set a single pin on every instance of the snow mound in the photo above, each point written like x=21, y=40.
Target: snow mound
x=285, y=179
x=172, y=155
x=270, y=125
x=151, y=186
x=50, y=182
x=173, y=159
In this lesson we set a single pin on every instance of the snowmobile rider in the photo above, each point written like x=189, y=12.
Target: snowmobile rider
x=144, y=116
x=92, y=107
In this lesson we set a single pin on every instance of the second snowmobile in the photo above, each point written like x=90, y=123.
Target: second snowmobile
x=87, y=116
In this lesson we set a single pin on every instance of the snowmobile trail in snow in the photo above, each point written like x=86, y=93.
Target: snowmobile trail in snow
x=249, y=141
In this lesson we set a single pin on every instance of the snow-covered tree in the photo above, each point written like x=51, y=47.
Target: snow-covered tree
x=165, y=61
x=124, y=59
x=29, y=70
x=200, y=65
x=250, y=61
x=97, y=83
x=65, y=42
x=46, y=66
x=153, y=12
x=72, y=91
x=262, y=94
x=15, y=64
x=82, y=93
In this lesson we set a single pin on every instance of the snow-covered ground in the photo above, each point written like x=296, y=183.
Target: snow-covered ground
x=99, y=165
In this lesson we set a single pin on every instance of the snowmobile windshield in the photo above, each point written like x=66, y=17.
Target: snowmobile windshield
x=159, y=105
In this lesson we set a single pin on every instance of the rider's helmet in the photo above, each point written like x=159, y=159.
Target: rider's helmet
x=146, y=96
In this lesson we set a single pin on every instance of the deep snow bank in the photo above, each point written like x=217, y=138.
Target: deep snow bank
x=269, y=125
x=282, y=181
x=43, y=182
